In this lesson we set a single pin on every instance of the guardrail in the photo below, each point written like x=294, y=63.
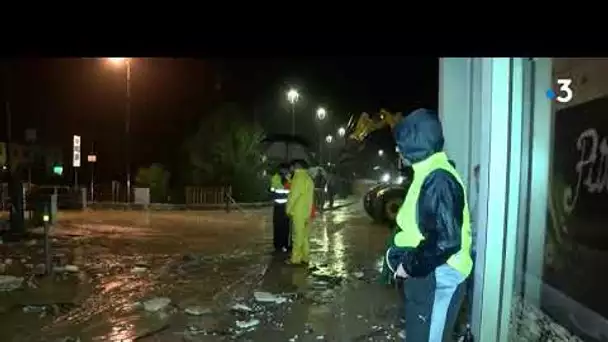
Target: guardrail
x=169, y=206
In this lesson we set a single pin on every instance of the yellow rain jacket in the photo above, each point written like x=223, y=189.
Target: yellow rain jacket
x=300, y=200
x=299, y=207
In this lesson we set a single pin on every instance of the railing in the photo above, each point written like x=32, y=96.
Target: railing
x=208, y=195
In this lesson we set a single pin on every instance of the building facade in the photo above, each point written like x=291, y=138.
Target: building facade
x=542, y=195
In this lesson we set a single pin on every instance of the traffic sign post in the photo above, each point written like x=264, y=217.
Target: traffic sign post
x=92, y=158
x=76, y=157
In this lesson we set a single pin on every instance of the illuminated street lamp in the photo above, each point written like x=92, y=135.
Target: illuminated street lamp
x=127, y=63
x=329, y=139
x=321, y=113
x=293, y=96
x=380, y=153
x=341, y=132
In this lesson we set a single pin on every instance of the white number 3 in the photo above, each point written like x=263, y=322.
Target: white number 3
x=565, y=92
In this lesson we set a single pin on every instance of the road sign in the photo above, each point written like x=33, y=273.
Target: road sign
x=76, y=151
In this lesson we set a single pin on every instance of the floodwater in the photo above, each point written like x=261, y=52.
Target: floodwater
x=205, y=260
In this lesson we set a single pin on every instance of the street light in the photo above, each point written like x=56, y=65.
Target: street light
x=341, y=132
x=293, y=96
x=127, y=63
x=321, y=113
x=380, y=153
x=328, y=140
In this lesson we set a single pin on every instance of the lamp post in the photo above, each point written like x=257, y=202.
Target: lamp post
x=293, y=96
x=329, y=139
x=92, y=159
x=127, y=63
x=321, y=115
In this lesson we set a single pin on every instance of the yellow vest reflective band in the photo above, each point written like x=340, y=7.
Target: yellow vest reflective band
x=409, y=234
x=278, y=190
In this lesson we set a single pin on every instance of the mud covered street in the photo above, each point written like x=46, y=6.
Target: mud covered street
x=197, y=276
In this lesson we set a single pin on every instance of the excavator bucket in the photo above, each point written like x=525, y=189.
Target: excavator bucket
x=363, y=126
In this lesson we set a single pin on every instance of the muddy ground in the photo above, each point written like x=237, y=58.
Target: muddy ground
x=109, y=264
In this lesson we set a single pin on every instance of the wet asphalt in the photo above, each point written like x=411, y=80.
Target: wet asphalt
x=205, y=260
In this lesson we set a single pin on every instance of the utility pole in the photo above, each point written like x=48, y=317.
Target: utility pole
x=128, y=129
x=92, y=158
x=15, y=188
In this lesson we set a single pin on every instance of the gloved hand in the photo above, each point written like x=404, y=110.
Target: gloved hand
x=400, y=272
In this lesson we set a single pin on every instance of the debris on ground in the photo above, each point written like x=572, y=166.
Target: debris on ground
x=48, y=309
x=10, y=283
x=247, y=324
x=39, y=269
x=33, y=309
x=197, y=310
x=139, y=269
x=156, y=304
x=267, y=297
x=241, y=308
x=66, y=268
x=359, y=275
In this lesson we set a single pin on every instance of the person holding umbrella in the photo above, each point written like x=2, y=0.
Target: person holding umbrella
x=279, y=188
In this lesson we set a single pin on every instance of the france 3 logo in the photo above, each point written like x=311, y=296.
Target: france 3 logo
x=564, y=93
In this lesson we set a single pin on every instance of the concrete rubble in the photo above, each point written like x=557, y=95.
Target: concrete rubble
x=247, y=324
x=267, y=297
x=156, y=304
x=10, y=283
x=197, y=310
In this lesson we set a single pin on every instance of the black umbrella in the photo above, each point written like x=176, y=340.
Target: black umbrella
x=285, y=148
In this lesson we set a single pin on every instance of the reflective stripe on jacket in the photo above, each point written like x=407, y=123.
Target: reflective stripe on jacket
x=279, y=188
x=424, y=255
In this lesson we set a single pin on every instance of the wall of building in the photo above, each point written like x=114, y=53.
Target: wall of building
x=589, y=78
x=574, y=271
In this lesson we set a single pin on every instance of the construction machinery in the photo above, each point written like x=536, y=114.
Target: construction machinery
x=381, y=202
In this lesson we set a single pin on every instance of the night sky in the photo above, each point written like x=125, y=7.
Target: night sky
x=62, y=97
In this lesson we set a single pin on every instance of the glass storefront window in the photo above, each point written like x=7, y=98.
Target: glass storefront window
x=539, y=257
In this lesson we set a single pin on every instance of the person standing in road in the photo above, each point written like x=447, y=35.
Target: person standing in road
x=279, y=187
x=432, y=249
x=320, y=183
x=299, y=209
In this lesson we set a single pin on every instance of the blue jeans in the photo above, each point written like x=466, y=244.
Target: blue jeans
x=470, y=289
x=432, y=302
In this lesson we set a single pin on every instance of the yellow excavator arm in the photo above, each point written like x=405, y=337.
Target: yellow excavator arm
x=365, y=124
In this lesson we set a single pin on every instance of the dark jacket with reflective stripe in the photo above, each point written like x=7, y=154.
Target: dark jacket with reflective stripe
x=441, y=201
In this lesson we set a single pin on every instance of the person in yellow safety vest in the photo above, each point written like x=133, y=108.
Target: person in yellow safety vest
x=299, y=208
x=279, y=188
x=432, y=248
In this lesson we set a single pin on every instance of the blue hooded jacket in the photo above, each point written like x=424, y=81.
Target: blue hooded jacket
x=441, y=201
